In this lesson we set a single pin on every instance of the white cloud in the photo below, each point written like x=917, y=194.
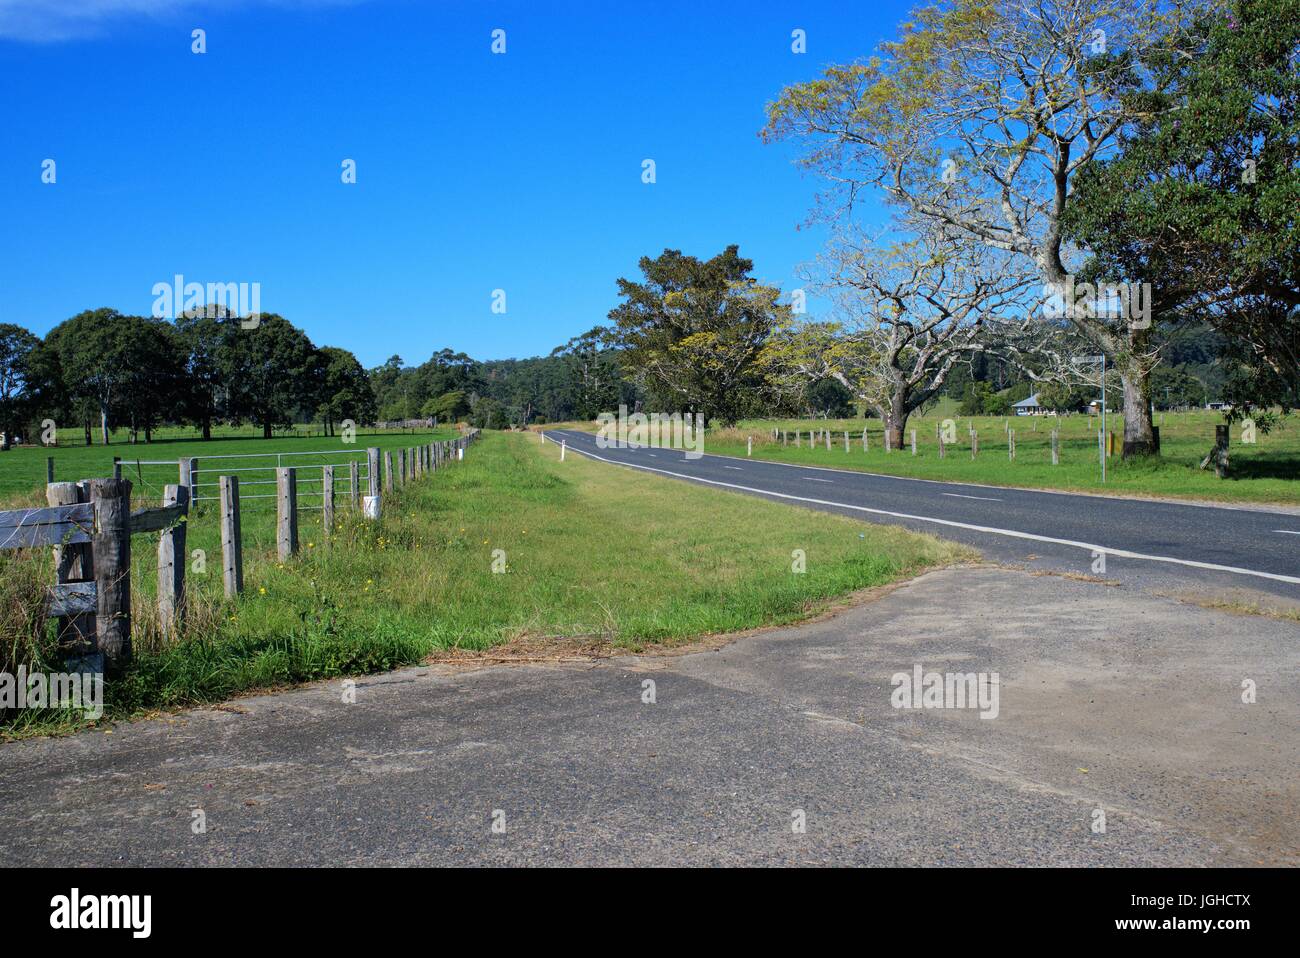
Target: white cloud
x=51, y=21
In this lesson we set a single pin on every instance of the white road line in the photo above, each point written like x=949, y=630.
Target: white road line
x=1288, y=532
x=1120, y=553
x=957, y=495
x=737, y=468
x=815, y=479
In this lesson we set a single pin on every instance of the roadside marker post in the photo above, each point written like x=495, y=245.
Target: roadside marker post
x=563, y=443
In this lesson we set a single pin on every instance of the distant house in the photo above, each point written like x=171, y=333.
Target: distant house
x=1029, y=407
x=1218, y=405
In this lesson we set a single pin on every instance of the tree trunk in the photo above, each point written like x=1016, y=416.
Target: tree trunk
x=1139, y=439
x=89, y=436
x=266, y=429
x=895, y=418
x=103, y=425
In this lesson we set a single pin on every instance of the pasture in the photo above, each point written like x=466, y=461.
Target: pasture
x=1263, y=471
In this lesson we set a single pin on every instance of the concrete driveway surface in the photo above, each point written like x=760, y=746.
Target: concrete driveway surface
x=1111, y=703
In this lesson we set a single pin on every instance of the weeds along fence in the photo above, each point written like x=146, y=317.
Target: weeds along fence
x=89, y=524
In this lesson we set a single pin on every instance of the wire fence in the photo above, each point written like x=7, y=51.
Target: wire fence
x=202, y=474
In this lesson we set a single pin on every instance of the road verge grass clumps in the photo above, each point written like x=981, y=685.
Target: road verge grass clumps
x=510, y=545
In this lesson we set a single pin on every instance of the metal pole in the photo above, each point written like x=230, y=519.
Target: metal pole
x=1103, y=418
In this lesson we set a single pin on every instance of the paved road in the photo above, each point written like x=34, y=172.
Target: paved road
x=1110, y=701
x=1150, y=544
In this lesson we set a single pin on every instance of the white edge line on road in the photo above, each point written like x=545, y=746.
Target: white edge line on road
x=1288, y=532
x=815, y=479
x=1121, y=553
x=958, y=495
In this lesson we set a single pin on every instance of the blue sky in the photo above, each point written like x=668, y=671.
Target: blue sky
x=475, y=171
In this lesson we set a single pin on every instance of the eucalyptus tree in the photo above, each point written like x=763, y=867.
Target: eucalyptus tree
x=979, y=116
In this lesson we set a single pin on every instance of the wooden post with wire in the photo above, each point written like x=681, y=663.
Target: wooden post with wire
x=232, y=541
x=286, y=512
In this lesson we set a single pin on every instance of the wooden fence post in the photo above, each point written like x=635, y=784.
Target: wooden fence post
x=286, y=513
x=171, y=565
x=75, y=563
x=327, y=502
x=388, y=471
x=232, y=540
x=942, y=447
x=111, y=545
x=401, y=466
x=974, y=443
x=372, y=470
x=117, y=467
x=354, y=484
x=865, y=447
x=914, y=442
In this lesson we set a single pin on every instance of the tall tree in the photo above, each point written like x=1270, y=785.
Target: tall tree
x=18, y=386
x=1203, y=194
x=272, y=372
x=152, y=391
x=693, y=331
x=907, y=314
x=346, y=392
x=978, y=117
x=94, y=350
x=203, y=334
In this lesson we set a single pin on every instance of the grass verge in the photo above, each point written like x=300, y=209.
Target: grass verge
x=589, y=553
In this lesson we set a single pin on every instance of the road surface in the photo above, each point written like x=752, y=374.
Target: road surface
x=1145, y=543
x=1111, y=702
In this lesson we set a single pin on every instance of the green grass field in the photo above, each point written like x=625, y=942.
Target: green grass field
x=591, y=552
x=22, y=469
x=1266, y=471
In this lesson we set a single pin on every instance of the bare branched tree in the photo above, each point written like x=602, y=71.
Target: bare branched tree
x=905, y=315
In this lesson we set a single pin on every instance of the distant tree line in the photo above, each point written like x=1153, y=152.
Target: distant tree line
x=103, y=370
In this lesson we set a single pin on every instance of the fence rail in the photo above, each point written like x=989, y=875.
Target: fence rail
x=90, y=524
